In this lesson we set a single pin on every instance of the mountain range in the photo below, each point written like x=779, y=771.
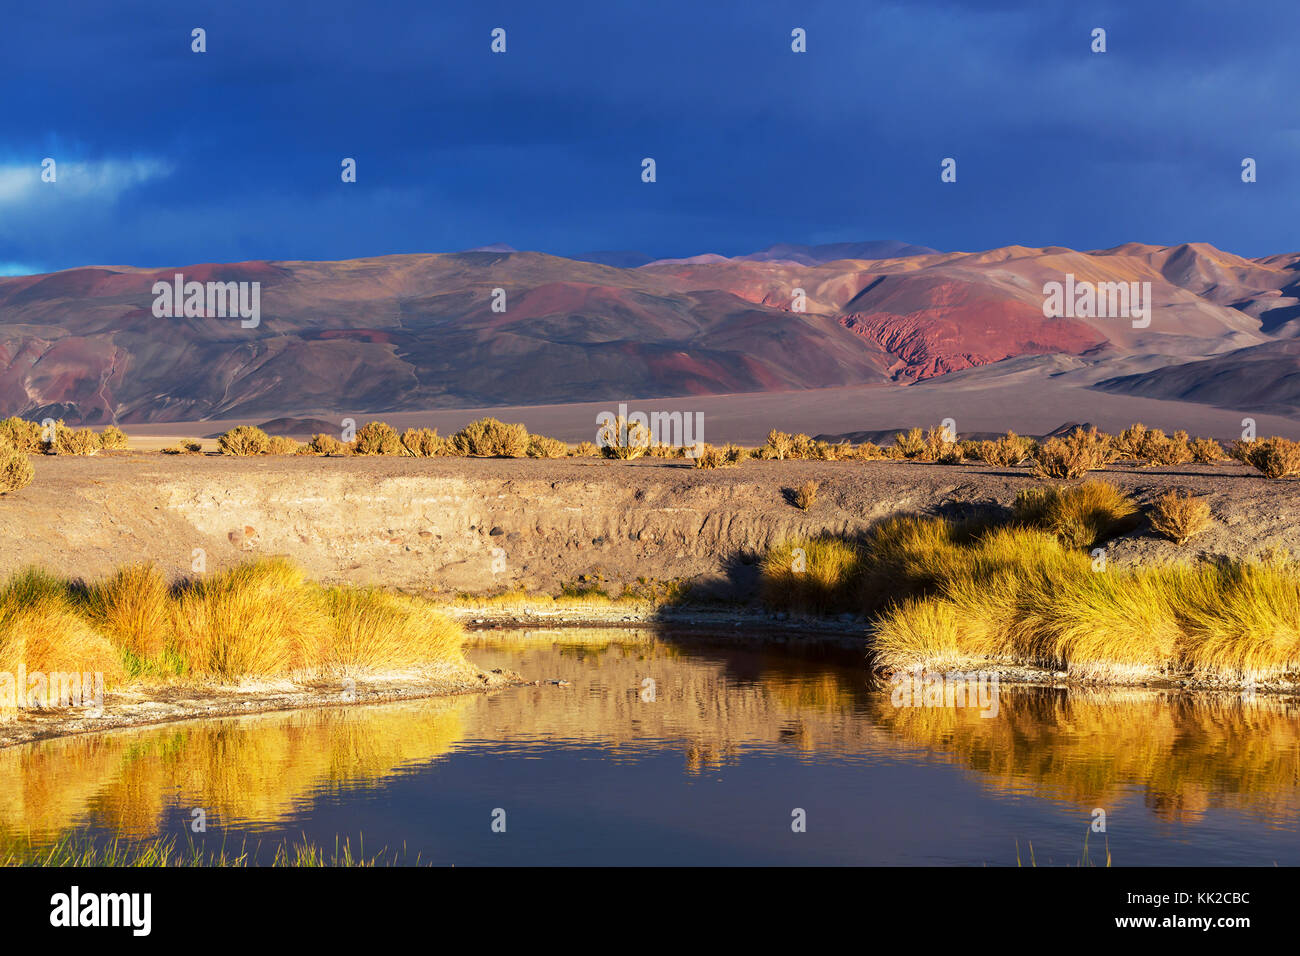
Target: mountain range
x=425, y=331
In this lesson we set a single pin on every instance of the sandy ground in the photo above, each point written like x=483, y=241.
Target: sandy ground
x=141, y=705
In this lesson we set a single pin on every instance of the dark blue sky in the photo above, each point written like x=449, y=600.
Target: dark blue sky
x=167, y=157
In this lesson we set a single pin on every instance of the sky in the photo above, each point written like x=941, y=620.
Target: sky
x=169, y=157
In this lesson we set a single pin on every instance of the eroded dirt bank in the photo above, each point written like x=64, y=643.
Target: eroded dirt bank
x=484, y=525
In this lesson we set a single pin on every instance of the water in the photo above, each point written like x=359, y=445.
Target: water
x=738, y=736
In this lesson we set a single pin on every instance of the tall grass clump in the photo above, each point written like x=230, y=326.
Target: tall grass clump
x=1206, y=451
x=490, y=438
x=262, y=619
x=186, y=446
x=423, y=443
x=1006, y=452
x=373, y=630
x=132, y=607
x=256, y=620
x=42, y=631
x=1018, y=595
x=779, y=446
x=805, y=496
x=812, y=575
x=243, y=441
x=71, y=441
x=1080, y=516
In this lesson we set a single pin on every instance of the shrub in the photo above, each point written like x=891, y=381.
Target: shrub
x=620, y=438
x=734, y=454
x=25, y=436
x=1273, y=457
x=1079, y=452
x=910, y=444
x=1128, y=443
x=15, y=471
x=1080, y=516
x=779, y=445
x=423, y=443
x=539, y=446
x=1206, y=451
x=377, y=438
x=585, y=449
x=1156, y=449
x=187, y=446
x=867, y=451
x=489, y=438
x=711, y=457
x=1178, y=516
x=1006, y=452
x=805, y=495
x=281, y=445
x=802, y=446
x=323, y=444
x=243, y=441
x=72, y=441
x=112, y=438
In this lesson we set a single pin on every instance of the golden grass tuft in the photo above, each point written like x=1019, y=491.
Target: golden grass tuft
x=259, y=619
x=373, y=630
x=323, y=444
x=23, y=435
x=281, y=445
x=1179, y=517
x=112, y=438
x=133, y=608
x=811, y=575
x=1207, y=451
x=1080, y=516
x=42, y=631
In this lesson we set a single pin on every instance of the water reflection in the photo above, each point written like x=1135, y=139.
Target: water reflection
x=708, y=706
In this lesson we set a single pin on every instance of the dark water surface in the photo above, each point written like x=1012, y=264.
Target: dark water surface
x=737, y=737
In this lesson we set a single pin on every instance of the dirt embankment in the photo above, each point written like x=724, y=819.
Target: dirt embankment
x=478, y=525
